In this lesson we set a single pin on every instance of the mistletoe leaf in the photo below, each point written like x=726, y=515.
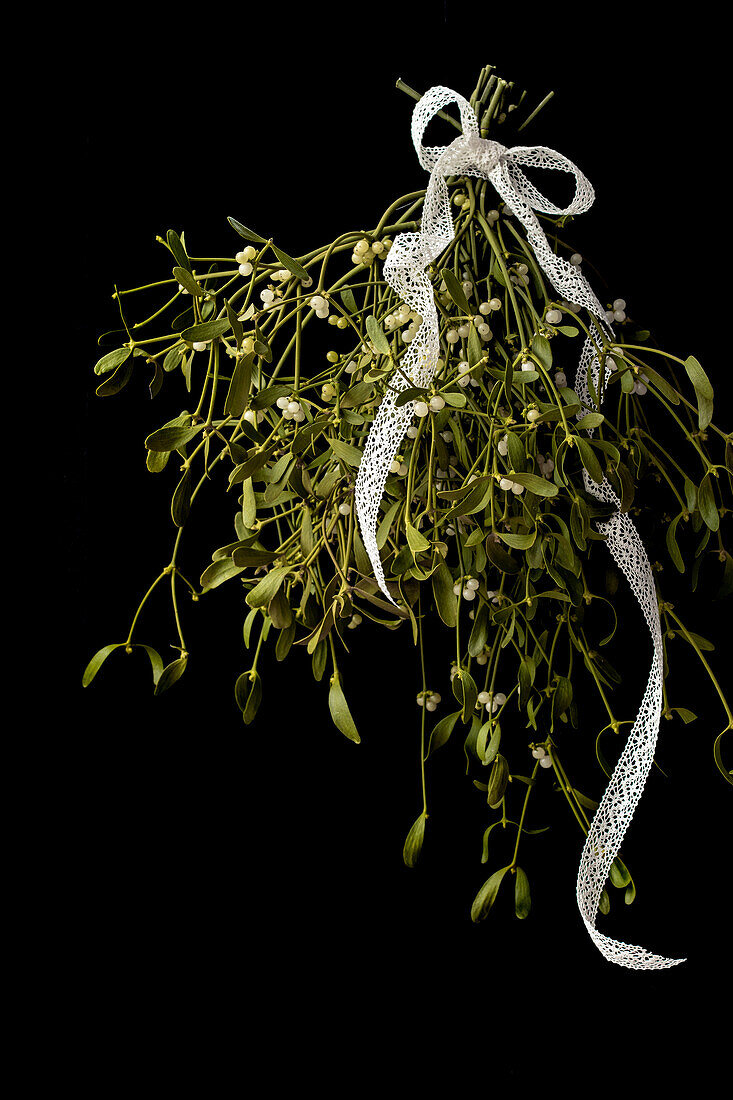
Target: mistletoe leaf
x=445, y=598
x=703, y=391
x=376, y=334
x=171, y=674
x=265, y=589
x=522, y=899
x=414, y=841
x=485, y=898
x=248, y=234
x=456, y=291
x=97, y=661
x=340, y=712
x=112, y=360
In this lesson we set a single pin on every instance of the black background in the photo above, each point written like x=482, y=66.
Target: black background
x=201, y=869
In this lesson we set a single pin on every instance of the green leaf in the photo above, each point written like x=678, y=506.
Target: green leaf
x=516, y=453
x=498, y=556
x=249, y=468
x=718, y=757
x=672, y=547
x=703, y=391
x=352, y=456
x=181, y=502
x=445, y=599
x=497, y=781
x=112, y=360
x=173, y=357
x=209, y=330
x=690, y=495
x=589, y=459
x=628, y=488
x=418, y=543
x=249, y=558
x=267, y=397
x=280, y=611
x=589, y=803
x=441, y=732
x=541, y=350
x=248, y=694
x=619, y=874
x=706, y=503
x=479, y=631
x=219, y=572
x=686, y=715
x=183, y=276
x=249, y=504
x=455, y=400
x=248, y=234
x=662, y=385
x=540, y=486
x=590, y=420
x=487, y=752
x=340, y=710
x=263, y=592
x=466, y=693
x=455, y=290
x=486, y=896
x=97, y=661
x=116, y=381
x=562, y=697
x=236, y=400
x=412, y=393
x=248, y=624
x=171, y=673
x=262, y=347
x=476, y=352
x=156, y=660
x=171, y=439
x=527, y=673
x=522, y=899
x=414, y=841
x=235, y=323
x=285, y=641
x=287, y=261
x=347, y=297
x=357, y=395
x=179, y=252
x=318, y=662
x=517, y=541
x=376, y=334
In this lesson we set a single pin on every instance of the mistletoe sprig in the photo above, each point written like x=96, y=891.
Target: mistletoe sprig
x=486, y=527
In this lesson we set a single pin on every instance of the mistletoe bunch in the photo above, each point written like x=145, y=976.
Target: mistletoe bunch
x=487, y=534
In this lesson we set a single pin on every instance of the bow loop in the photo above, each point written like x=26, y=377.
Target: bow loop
x=426, y=109
x=539, y=156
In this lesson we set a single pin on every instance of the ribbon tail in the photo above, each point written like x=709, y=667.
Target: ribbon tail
x=626, y=785
x=405, y=272
x=383, y=441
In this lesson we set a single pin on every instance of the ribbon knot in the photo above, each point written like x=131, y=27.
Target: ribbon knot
x=404, y=270
x=482, y=154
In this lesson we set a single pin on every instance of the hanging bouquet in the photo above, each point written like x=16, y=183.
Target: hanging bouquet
x=402, y=443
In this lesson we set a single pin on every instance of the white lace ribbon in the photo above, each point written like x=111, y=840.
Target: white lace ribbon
x=405, y=271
